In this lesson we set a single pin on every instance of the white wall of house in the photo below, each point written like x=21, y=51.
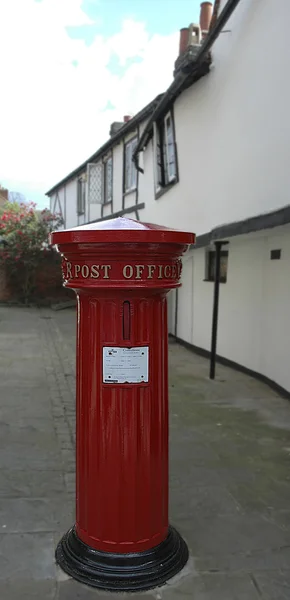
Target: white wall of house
x=171, y=312
x=64, y=201
x=121, y=200
x=56, y=202
x=254, y=321
x=232, y=128
x=71, y=204
x=117, y=177
x=232, y=133
x=92, y=209
x=52, y=202
x=129, y=198
x=147, y=190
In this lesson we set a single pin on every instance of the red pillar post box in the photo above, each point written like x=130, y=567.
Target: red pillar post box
x=121, y=271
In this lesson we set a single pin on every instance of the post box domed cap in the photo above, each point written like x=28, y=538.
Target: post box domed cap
x=123, y=230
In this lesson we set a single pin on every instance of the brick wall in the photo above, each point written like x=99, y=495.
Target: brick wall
x=48, y=285
x=4, y=291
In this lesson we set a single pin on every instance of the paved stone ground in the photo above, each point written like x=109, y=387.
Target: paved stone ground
x=230, y=477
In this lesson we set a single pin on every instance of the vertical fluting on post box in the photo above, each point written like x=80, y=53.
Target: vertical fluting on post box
x=121, y=271
x=126, y=320
x=122, y=433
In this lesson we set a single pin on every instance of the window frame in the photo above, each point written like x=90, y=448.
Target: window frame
x=163, y=179
x=94, y=199
x=132, y=143
x=158, y=156
x=107, y=199
x=81, y=195
x=210, y=255
x=170, y=178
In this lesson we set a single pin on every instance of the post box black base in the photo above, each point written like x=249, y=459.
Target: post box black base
x=122, y=572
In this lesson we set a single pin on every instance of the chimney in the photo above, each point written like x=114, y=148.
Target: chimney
x=127, y=118
x=183, y=40
x=115, y=127
x=205, y=17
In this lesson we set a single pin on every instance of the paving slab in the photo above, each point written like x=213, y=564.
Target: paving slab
x=26, y=557
x=215, y=587
x=235, y=562
x=229, y=470
x=72, y=590
x=30, y=483
x=273, y=585
x=29, y=590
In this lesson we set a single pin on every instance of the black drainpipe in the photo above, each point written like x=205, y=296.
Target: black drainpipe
x=176, y=86
x=218, y=247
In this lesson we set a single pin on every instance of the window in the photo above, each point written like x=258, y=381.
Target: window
x=130, y=179
x=165, y=153
x=81, y=196
x=275, y=254
x=100, y=180
x=170, y=166
x=95, y=182
x=108, y=180
x=210, y=266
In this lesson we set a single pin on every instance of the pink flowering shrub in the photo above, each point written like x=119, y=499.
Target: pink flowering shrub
x=24, y=244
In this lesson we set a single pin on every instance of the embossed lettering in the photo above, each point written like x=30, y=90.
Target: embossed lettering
x=160, y=275
x=128, y=271
x=106, y=270
x=139, y=271
x=95, y=271
x=151, y=269
x=167, y=271
x=85, y=271
x=68, y=271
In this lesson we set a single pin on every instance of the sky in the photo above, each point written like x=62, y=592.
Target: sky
x=69, y=68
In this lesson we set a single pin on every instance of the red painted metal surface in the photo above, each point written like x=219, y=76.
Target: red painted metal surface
x=122, y=230
x=121, y=273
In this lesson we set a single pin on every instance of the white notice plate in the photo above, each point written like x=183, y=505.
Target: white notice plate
x=125, y=365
